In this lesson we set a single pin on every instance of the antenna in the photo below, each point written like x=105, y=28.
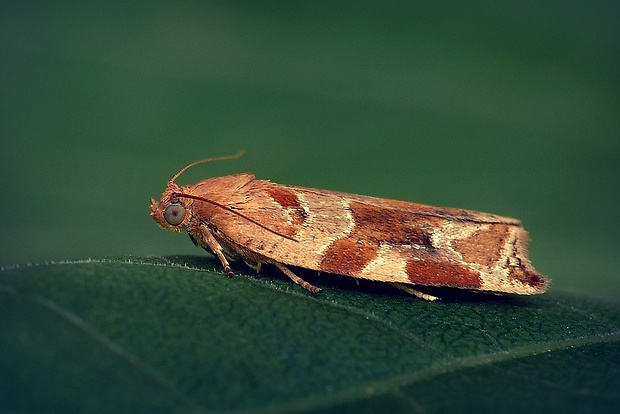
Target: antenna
x=226, y=157
x=176, y=195
x=215, y=203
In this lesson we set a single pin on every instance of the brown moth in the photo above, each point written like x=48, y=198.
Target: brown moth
x=238, y=217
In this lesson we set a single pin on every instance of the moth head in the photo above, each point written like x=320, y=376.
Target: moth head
x=170, y=213
x=173, y=212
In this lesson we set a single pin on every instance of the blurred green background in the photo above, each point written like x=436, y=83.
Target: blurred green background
x=510, y=108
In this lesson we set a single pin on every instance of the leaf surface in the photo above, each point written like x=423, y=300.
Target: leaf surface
x=171, y=334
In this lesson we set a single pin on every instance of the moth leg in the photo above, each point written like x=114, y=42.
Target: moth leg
x=296, y=278
x=216, y=249
x=414, y=292
x=253, y=264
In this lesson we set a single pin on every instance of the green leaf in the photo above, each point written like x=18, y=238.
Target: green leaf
x=172, y=335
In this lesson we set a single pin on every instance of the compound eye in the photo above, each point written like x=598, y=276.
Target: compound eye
x=174, y=214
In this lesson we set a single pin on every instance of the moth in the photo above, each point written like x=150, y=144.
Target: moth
x=238, y=217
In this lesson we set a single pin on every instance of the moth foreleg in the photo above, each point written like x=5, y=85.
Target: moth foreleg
x=414, y=292
x=296, y=278
x=215, y=247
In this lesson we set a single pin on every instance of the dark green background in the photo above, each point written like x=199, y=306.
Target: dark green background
x=510, y=108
